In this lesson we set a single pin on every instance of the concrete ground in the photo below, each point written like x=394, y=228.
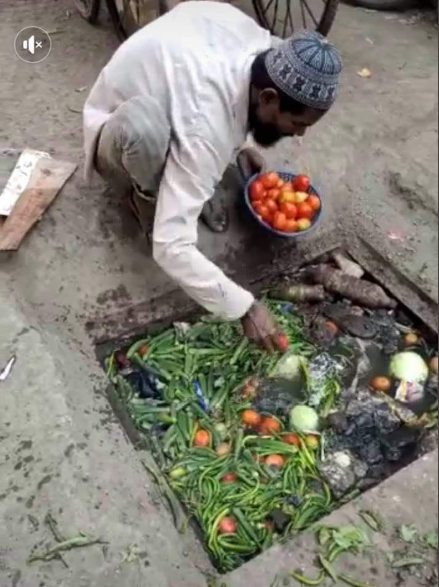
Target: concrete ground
x=85, y=275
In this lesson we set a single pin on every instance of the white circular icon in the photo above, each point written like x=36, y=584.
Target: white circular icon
x=33, y=44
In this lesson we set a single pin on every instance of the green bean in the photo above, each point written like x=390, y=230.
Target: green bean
x=306, y=580
x=353, y=582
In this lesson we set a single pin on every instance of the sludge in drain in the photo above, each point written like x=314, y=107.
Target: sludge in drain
x=226, y=425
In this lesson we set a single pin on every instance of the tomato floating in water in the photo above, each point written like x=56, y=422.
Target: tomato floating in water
x=269, y=180
x=202, y=439
x=256, y=191
x=282, y=342
x=269, y=426
x=277, y=461
x=289, y=209
x=227, y=525
x=312, y=441
x=305, y=211
x=229, y=478
x=301, y=183
x=251, y=418
x=291, y=438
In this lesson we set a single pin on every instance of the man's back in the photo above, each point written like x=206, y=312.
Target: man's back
x=190, y=61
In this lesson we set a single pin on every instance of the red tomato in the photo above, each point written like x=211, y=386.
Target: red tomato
x=277, y=461
x=229, y=478
x=314, y=202
x=291, y=225
x=279, y=221
x=227, y=525
x=269, y=180
x=251, y=418
x=289, y=210
x=301, y=183
x=274, y=194
x=288, y=187
x=305, y=211
x=256, y=191
x=271, y=205
x=282, y=342
x=202, y=438
x=291, y=438
x=257, y=207
x=269, y=426
x=266, y=214
x=280, y=184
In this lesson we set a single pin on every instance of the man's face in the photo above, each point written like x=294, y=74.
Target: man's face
x=269, y=124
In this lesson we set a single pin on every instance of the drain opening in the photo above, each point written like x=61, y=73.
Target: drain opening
x=222, y=421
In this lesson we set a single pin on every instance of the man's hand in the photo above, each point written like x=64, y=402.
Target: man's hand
x=260, y=327
x=250, y=162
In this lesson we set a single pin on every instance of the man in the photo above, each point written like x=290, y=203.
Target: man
x=173, y=108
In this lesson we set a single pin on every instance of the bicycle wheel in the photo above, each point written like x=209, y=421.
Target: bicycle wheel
x=284, y=17
x=128, y=16
x=89, y=9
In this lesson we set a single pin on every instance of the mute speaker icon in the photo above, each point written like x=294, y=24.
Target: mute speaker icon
x=30, y=45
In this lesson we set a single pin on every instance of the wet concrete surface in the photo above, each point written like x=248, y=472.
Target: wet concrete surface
x=86, y=266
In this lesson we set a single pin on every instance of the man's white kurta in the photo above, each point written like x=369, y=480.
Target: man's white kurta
x=196, y=63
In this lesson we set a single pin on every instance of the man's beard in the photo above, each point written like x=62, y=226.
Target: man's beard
x=266, y=135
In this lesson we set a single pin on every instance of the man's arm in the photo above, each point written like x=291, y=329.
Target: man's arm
x=192, y=171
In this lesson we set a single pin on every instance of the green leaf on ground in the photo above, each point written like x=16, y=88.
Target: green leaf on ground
x=408, y=534
x=431, y=540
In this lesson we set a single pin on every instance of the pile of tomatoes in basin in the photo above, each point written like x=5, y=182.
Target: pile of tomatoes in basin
x=285, y=206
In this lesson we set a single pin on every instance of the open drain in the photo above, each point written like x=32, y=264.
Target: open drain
x=259, y=447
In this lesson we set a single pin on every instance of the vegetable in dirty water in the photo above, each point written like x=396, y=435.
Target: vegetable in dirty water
x=251, y=419
x=381, y=383
x=227, y=525
x=304, y=419
x=292, y=439
x=409, y=366
x=411, y=339
x=277, y=461
x=229, y=478
x=202, y=438
x=269, y=426
x=246, y=483
x=282, y=342
x=312, y=441
x=223, y=449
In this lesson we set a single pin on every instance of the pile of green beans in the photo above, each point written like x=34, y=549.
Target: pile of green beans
x=219, y=359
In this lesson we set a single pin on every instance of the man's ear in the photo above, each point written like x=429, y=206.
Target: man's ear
x=269, y=96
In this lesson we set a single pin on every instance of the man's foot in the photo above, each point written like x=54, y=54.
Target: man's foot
x=215, y=215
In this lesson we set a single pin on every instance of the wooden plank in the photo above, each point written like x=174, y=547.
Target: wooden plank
x=47, y=181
